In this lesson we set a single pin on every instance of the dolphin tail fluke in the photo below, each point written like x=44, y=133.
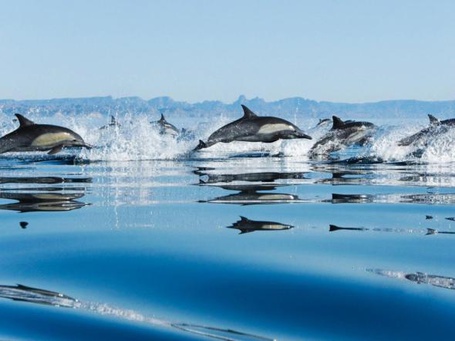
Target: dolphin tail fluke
x=430, y=231
x=334, y=228
x=201, y=145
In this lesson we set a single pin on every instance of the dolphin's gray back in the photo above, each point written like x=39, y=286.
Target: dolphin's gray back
x=232, y=131
x=13, y=140
x=424, y=134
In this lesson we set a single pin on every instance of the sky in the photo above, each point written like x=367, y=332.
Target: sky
x=195, y=50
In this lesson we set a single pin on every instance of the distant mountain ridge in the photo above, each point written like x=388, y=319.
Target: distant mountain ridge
x=295, y=105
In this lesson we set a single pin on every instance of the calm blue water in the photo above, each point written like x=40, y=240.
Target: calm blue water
x=139, y=239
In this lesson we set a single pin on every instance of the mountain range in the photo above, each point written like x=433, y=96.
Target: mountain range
x=295, y=106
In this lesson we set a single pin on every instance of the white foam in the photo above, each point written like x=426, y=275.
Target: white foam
x=136, y=139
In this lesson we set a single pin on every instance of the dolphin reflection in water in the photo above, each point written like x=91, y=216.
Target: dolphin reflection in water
x=43, y=198
x=254, y=128
x=254, y=196
x=418, y=277
x=29, y=294
x=42, y=201
x=245, y=225
x=427, y=231
x=31, y=137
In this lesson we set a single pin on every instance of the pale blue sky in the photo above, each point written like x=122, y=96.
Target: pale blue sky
x=345, y=51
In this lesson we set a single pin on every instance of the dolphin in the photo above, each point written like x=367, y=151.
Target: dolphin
x=254, y=197
x=246, y=225
x=39, y=137
x=25, y=293
x=42, y=202
x=436, y=127
x=333, y=228
x=165, y=127
x=323, y=122
x=418, y=277
x=253, y=128
x=434, y=121
x=343, y=134
x=112, y=124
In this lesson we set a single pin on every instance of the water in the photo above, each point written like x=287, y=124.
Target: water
x=141, y=239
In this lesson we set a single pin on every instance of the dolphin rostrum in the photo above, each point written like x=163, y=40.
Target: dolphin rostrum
x=39, y=137
x=253, y=128
x=343, y=134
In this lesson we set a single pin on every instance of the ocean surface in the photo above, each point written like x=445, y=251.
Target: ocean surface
x=141, y=238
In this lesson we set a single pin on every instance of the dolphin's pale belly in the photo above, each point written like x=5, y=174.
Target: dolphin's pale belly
x=50, y=140
x=268, y=129
x=356, y=136
x=274, y=227
x=267, y=133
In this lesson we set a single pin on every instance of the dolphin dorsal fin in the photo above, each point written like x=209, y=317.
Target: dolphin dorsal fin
x=433, y=120
x=247, y=113
x=24, y=122
x=162, y=119
x=337, y=122
x=242, y=218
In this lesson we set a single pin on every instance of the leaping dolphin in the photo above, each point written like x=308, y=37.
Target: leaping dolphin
x=343, y=134
x=436, y=127
x=253, y=128
x=112, y=124
x=165, y=127
x=39, y=137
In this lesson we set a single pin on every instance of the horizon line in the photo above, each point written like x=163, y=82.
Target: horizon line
x=240, y=99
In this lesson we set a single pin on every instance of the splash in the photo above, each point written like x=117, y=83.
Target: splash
x=136, y=138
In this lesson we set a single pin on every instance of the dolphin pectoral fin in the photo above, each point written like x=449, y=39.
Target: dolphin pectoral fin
x=243, y=231
x=5, y=150
x=55, y=150
x=201, y=145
